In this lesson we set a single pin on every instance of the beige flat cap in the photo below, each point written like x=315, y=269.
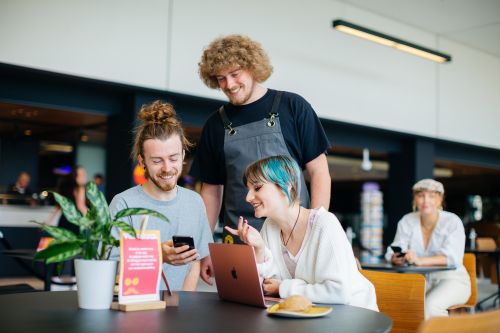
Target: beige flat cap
x=428, y=185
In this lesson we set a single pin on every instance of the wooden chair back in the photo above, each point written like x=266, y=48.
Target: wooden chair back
x=488, y=264
x=470, y=266
x=486, y=244
x=401, y=297
x=484, y=322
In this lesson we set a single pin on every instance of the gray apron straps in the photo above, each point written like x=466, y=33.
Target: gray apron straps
x=242, y=146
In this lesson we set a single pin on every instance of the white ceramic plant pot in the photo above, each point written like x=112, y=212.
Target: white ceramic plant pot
x=95, y=280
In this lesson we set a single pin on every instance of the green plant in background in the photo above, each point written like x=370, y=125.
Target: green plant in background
x=94, y=241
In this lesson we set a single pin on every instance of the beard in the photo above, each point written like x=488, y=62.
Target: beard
x=157, y=181
x=239, y=99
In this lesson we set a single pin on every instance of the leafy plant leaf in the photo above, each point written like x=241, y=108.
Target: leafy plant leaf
x=94, y=240
x=68, y=208
x=98, y=202
x=86, y=222
x=59, y=234
x=125, y=227
x=140, y=211
x=60, y=252
x=64, y=256
x=90, y=250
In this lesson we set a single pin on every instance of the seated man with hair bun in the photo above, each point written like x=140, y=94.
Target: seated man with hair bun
x=159, y=147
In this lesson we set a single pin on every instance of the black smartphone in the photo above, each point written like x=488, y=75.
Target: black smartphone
x=183, y=240
x=397, y=250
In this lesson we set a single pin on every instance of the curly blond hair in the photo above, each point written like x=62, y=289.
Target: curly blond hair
x=233, y=51
x=158, y=120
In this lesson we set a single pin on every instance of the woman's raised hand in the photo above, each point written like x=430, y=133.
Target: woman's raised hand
x=249, y=235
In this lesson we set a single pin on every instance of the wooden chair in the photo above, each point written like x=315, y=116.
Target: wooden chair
x=484, y=322
x=486, y=243
x=470, y=266
x=401, y=297
x=488, y=264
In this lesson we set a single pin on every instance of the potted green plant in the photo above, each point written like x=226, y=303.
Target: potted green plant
x=91, y=247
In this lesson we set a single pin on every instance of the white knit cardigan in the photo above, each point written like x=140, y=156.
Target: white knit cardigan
x=326, y=270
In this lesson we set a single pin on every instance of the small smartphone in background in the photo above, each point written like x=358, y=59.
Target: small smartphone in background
x=397, y=250
x=183, y=240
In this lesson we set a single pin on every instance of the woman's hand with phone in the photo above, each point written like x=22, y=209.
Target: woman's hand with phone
x=398, y=260
x=398, y=257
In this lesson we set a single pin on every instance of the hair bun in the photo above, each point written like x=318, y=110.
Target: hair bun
x=157, y=113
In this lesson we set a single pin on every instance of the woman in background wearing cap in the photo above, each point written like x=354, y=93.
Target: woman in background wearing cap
x=432, y=236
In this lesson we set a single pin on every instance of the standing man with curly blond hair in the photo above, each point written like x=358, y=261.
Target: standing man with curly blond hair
x=256, y=123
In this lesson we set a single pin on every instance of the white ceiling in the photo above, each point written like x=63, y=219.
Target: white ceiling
x=475, y=23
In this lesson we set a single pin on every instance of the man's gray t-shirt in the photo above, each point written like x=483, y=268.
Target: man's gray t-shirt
x=187, y=216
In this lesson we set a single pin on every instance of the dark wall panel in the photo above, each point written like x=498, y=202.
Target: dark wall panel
x=16, y=155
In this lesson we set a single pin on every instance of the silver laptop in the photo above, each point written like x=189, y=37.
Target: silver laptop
x=236, y=275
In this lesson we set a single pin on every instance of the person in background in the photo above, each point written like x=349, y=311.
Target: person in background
x=160, y=147
x=256, y=123
x=72, y=186
x=80, y=177
x=432, y=236
x=299, y=251
x=21, y=186
x=99, y=181
x=21, y=190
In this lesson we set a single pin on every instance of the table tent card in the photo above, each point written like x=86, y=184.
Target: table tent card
x=140, y=267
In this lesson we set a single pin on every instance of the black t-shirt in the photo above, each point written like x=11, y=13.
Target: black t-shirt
x=304, y=136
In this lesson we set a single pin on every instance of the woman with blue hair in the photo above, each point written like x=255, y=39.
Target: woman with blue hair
x=299, y=251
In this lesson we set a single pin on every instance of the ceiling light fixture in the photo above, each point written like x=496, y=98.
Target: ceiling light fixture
x=56, y=148
x=390, y=41
x=366, y=164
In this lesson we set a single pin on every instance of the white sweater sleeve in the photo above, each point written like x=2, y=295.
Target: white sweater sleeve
x=324, y=276
x=267, y=268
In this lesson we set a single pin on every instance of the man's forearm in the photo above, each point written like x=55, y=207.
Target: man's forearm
x=212, y=198
x=320, y=192
x=321, y=182
x=191, y=280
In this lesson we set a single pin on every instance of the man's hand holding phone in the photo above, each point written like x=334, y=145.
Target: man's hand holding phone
x=179, y=251
x=180, y=241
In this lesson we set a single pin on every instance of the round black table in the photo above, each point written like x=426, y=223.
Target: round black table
x=49, y=312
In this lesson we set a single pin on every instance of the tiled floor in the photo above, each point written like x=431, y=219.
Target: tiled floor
x=484, y=289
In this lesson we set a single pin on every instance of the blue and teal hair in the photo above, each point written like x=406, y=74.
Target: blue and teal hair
x=280, y=170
